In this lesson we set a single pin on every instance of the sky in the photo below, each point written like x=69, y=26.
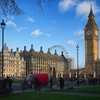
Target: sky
x=60, y=27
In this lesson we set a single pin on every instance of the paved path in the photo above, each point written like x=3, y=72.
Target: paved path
x=67, y=93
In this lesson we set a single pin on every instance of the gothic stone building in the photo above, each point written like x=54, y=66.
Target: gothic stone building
x=40, y=62
x=14, y=65
x=23, y=63
x=91, y=35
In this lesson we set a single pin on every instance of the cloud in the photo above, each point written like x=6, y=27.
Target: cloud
x=10, y=17
x=81, y=38
x=79, y=32
x=11, y=24
x=20, y=29
x=83, y=8
x=30, y=19
x=64, y=5
x=48, y=35
x=71, y=43
x=7, y=18
x=36, y=33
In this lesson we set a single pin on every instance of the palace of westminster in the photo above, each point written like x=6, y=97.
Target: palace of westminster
x=25, y=62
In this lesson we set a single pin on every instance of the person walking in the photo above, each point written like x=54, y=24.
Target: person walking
x=37, y=84
x=61, y=83
x=8, y=82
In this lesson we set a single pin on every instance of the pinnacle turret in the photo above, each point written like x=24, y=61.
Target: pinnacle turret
x=91, y=15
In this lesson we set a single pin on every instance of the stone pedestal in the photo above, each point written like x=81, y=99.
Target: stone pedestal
x=54, y=83
x=54, y=86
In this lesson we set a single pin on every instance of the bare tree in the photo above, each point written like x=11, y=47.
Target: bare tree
x=10, y=7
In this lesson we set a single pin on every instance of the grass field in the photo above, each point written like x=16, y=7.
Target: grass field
x=53, y=96
x=18, y=80
x=15, y=80
x=92, y=89
x=46, y=96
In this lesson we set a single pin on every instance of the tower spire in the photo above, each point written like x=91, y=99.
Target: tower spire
x=91, y=15
x=90, y=6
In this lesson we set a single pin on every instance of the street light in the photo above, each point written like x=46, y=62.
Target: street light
x=77, y=47
x=3, y=27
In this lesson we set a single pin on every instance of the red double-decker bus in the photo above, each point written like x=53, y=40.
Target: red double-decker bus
x=43, y=78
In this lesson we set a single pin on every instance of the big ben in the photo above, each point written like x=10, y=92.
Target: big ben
x=91, y=41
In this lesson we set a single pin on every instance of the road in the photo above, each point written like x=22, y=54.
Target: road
x=17, y=86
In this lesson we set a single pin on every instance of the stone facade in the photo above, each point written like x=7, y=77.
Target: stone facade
x=91, y=35
x=71, y=63
x=14, y=65
x=22, y=63
x=40, y=62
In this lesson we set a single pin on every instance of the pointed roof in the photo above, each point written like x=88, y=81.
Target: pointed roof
x=5, y=47
x=91, y=20
x=91, y=15
x=91, y=12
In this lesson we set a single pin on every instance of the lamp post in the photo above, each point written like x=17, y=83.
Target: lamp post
x=3, y=27
x=77, y=47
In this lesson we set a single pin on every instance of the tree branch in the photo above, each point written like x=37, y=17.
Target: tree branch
x=10, y=7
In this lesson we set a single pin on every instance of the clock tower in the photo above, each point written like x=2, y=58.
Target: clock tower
x=91, y=41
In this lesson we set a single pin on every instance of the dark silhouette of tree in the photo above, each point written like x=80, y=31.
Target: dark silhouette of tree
x=10, y=7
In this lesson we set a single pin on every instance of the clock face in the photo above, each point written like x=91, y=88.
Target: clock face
x=88, y=32
x=96, y=32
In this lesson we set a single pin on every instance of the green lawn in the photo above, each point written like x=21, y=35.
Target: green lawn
x=53, y=96
x=15, y=80
x=18, y=80
x=45, y=96
x=92, y=89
